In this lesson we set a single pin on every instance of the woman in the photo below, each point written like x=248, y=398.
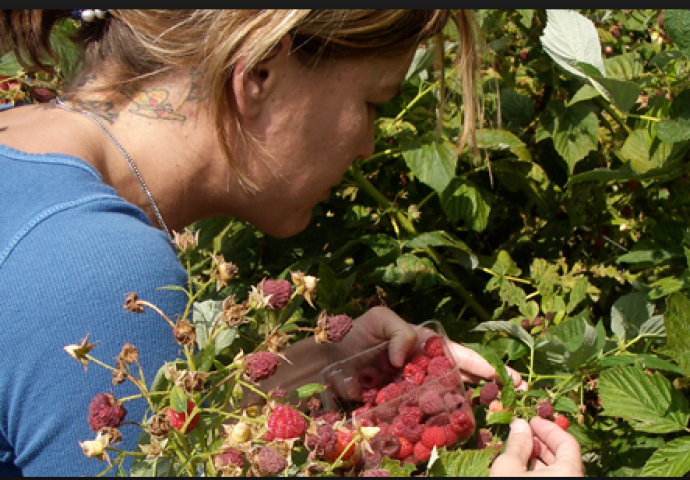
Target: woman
x=178, y=116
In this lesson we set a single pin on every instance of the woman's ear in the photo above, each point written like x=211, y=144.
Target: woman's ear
x=252, y=87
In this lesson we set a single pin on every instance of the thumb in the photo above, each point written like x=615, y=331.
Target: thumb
x=387, y=325
x=513, y=460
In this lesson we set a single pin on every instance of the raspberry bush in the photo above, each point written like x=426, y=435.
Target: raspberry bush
x=561, y=250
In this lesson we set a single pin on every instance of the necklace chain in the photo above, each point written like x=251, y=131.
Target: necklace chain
x=124, y=153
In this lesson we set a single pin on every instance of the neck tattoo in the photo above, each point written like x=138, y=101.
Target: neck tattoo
x=59, y=103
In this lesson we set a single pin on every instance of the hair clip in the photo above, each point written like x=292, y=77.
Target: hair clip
x=89, y=15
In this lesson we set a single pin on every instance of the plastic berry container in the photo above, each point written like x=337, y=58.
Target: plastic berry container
x=426, y=392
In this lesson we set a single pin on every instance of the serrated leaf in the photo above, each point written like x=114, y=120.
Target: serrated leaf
x=517, y=112
x=644, y=400
x=570, y=333
x=588, y=349
x=577, y=294
x=397, y=468
x=464, y=201
x=677, y=322
x=503, y=140
x=677, y=24
x=178, y=399
x=494, y=360
x=306, y=391
x=463, y=463
x=409, y=268
x=432, y=163
x=670, y=460
x=586, y=92
x=423, y=58
x=654, y=327
x=624, y=67
x=629, y=313
x=499, y=418
x=570, y=37
x=574, y=130
x=641, y=153
x=505, y=265
x=566, y=405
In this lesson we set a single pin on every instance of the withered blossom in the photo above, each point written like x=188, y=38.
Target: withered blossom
x=186, y=241
x=153, y=450
x=159, y=428
x=96, y=448
x=234, y=314
x=224, y=271
x=132, y=303
x=306, y=286
x=194, y=381
x=129, y=353
x=185, y=333
x=79, y=352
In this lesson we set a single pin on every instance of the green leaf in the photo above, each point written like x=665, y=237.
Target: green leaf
x=503, y=140
x=462, y=463
x=205, y=316
x=677, y=321
x=463, y=201
x=504, y=265
x=397, y=468
x=577, y=294
x=409, y=268
x=677, y=24
x=178, y=399
x=517, y=112
x=565, y=405
x=432, y=163
x=629, y=313
x=423, y=58
x=570, y=333
x=444, y=239
x=670, y=460
x=574, y=130
x=306, y=391
x=588, y=349
x=644, y=400
x=672, y=131
x=624, y=67
x=505, y=326
x=499, y=418
x=586, y=92
x=641, y=153
x=9, y=66
x=205, y=358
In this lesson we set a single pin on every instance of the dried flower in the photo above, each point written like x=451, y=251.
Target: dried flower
x=194, y=381
x=79, y=352
x=306, y=286
x=129, y=353
x=234, y=314
x=186, y=241
x=96, y=448
x=184, y=333
x=224, y=271
x=132, y=303
x=159, y=428
x=154, y=449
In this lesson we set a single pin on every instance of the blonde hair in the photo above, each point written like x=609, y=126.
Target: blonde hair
x=140, y=45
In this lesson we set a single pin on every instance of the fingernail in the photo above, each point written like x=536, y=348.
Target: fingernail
x=518, y=425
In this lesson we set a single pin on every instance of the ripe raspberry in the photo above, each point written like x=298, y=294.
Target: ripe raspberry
x=440, y=420
x=369, y=460
x=324, y=441
x=562, y=421
x=369, y=377
x=422, y=361
x=434, y=347
x=433, y=436
x=384, y=427
x=545, y=409
x=410, y=458
x=538, y=321
x=386, y=444
x=462, y=422
x=229, y=457
x=104, y=411
x=410, y=413
x=451, y=435
x=388, y=393
x=269, y=462
x=369, y=395
x=178, y=419
x=413, y=432
x=286, y=422
x=42, y=95
x=328, y=416
x=386, y=413
x=453, y=400
x=384, y=365
x=398, y=426
x=375, y=472
x=280, y=292
x=439, y=366
x=421, y=452
x=536, y=448
x=483, y=438
x=261, y=365
x=360, y=411
x=526, y=324
x=431, y=402
x=488, y=393
x=345, y=436
x=406, y=448
x=337, y=327
x=413, y=374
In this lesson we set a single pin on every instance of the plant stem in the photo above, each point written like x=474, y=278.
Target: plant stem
x=613, y=112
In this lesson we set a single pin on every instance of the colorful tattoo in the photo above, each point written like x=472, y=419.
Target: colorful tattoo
x=152, y=104
x=103, y=109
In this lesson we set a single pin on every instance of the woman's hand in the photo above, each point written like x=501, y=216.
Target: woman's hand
x=380, y=324
x=560, y=453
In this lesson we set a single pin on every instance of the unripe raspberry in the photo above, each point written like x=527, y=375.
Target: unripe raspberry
x=488, y=393
x=323, y=443
x=105, y=411
x=269, y=462
x=526, y=324
x=544, y=409
x=261, y=365
x=495, y=406
x=240, y=432
x=280, y=292
x=538, y=321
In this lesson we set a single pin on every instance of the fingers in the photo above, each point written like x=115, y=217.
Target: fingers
x=513, y=461
x=565, y=448
x=477, y=368
x=385, y=324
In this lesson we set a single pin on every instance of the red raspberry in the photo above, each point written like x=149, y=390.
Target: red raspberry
x=384, y=365
x=413, y=374
x=386, y=413
x=439, y=366
x=345, y=436
x=42, y=95
x=398, y=426
x=483, y=438
x=375, y=472
x=434, y=347
x=422, y=361
x=280, y=292
x=453, y=400
x=413, y=432
x=433, y=436
x=387, y=444
x=431, y=403
x=369, y=377
x=337, y=327
x=536, y=448
x=261, y=365
x=440, y=420
x=462, y=422
x=178, y=419
x=105, y=411
x=488, y=393
x=369, y=459
x=545, y=409
x=388, y=393
x=406, y=448
x=328, y=416
x=268, y=436
x=286, y=422
x=421, y=452
x=360, y=411
x=324, y=441
x=562, y=421
x=410, y=413
x=451, y=435
x=369, y=395
x=269, y=462
x=384, y=427
x=229, y=457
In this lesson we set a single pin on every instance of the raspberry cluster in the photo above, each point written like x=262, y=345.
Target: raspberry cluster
x=416, y=407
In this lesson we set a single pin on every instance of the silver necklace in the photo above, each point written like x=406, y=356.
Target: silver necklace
x=124, y=153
